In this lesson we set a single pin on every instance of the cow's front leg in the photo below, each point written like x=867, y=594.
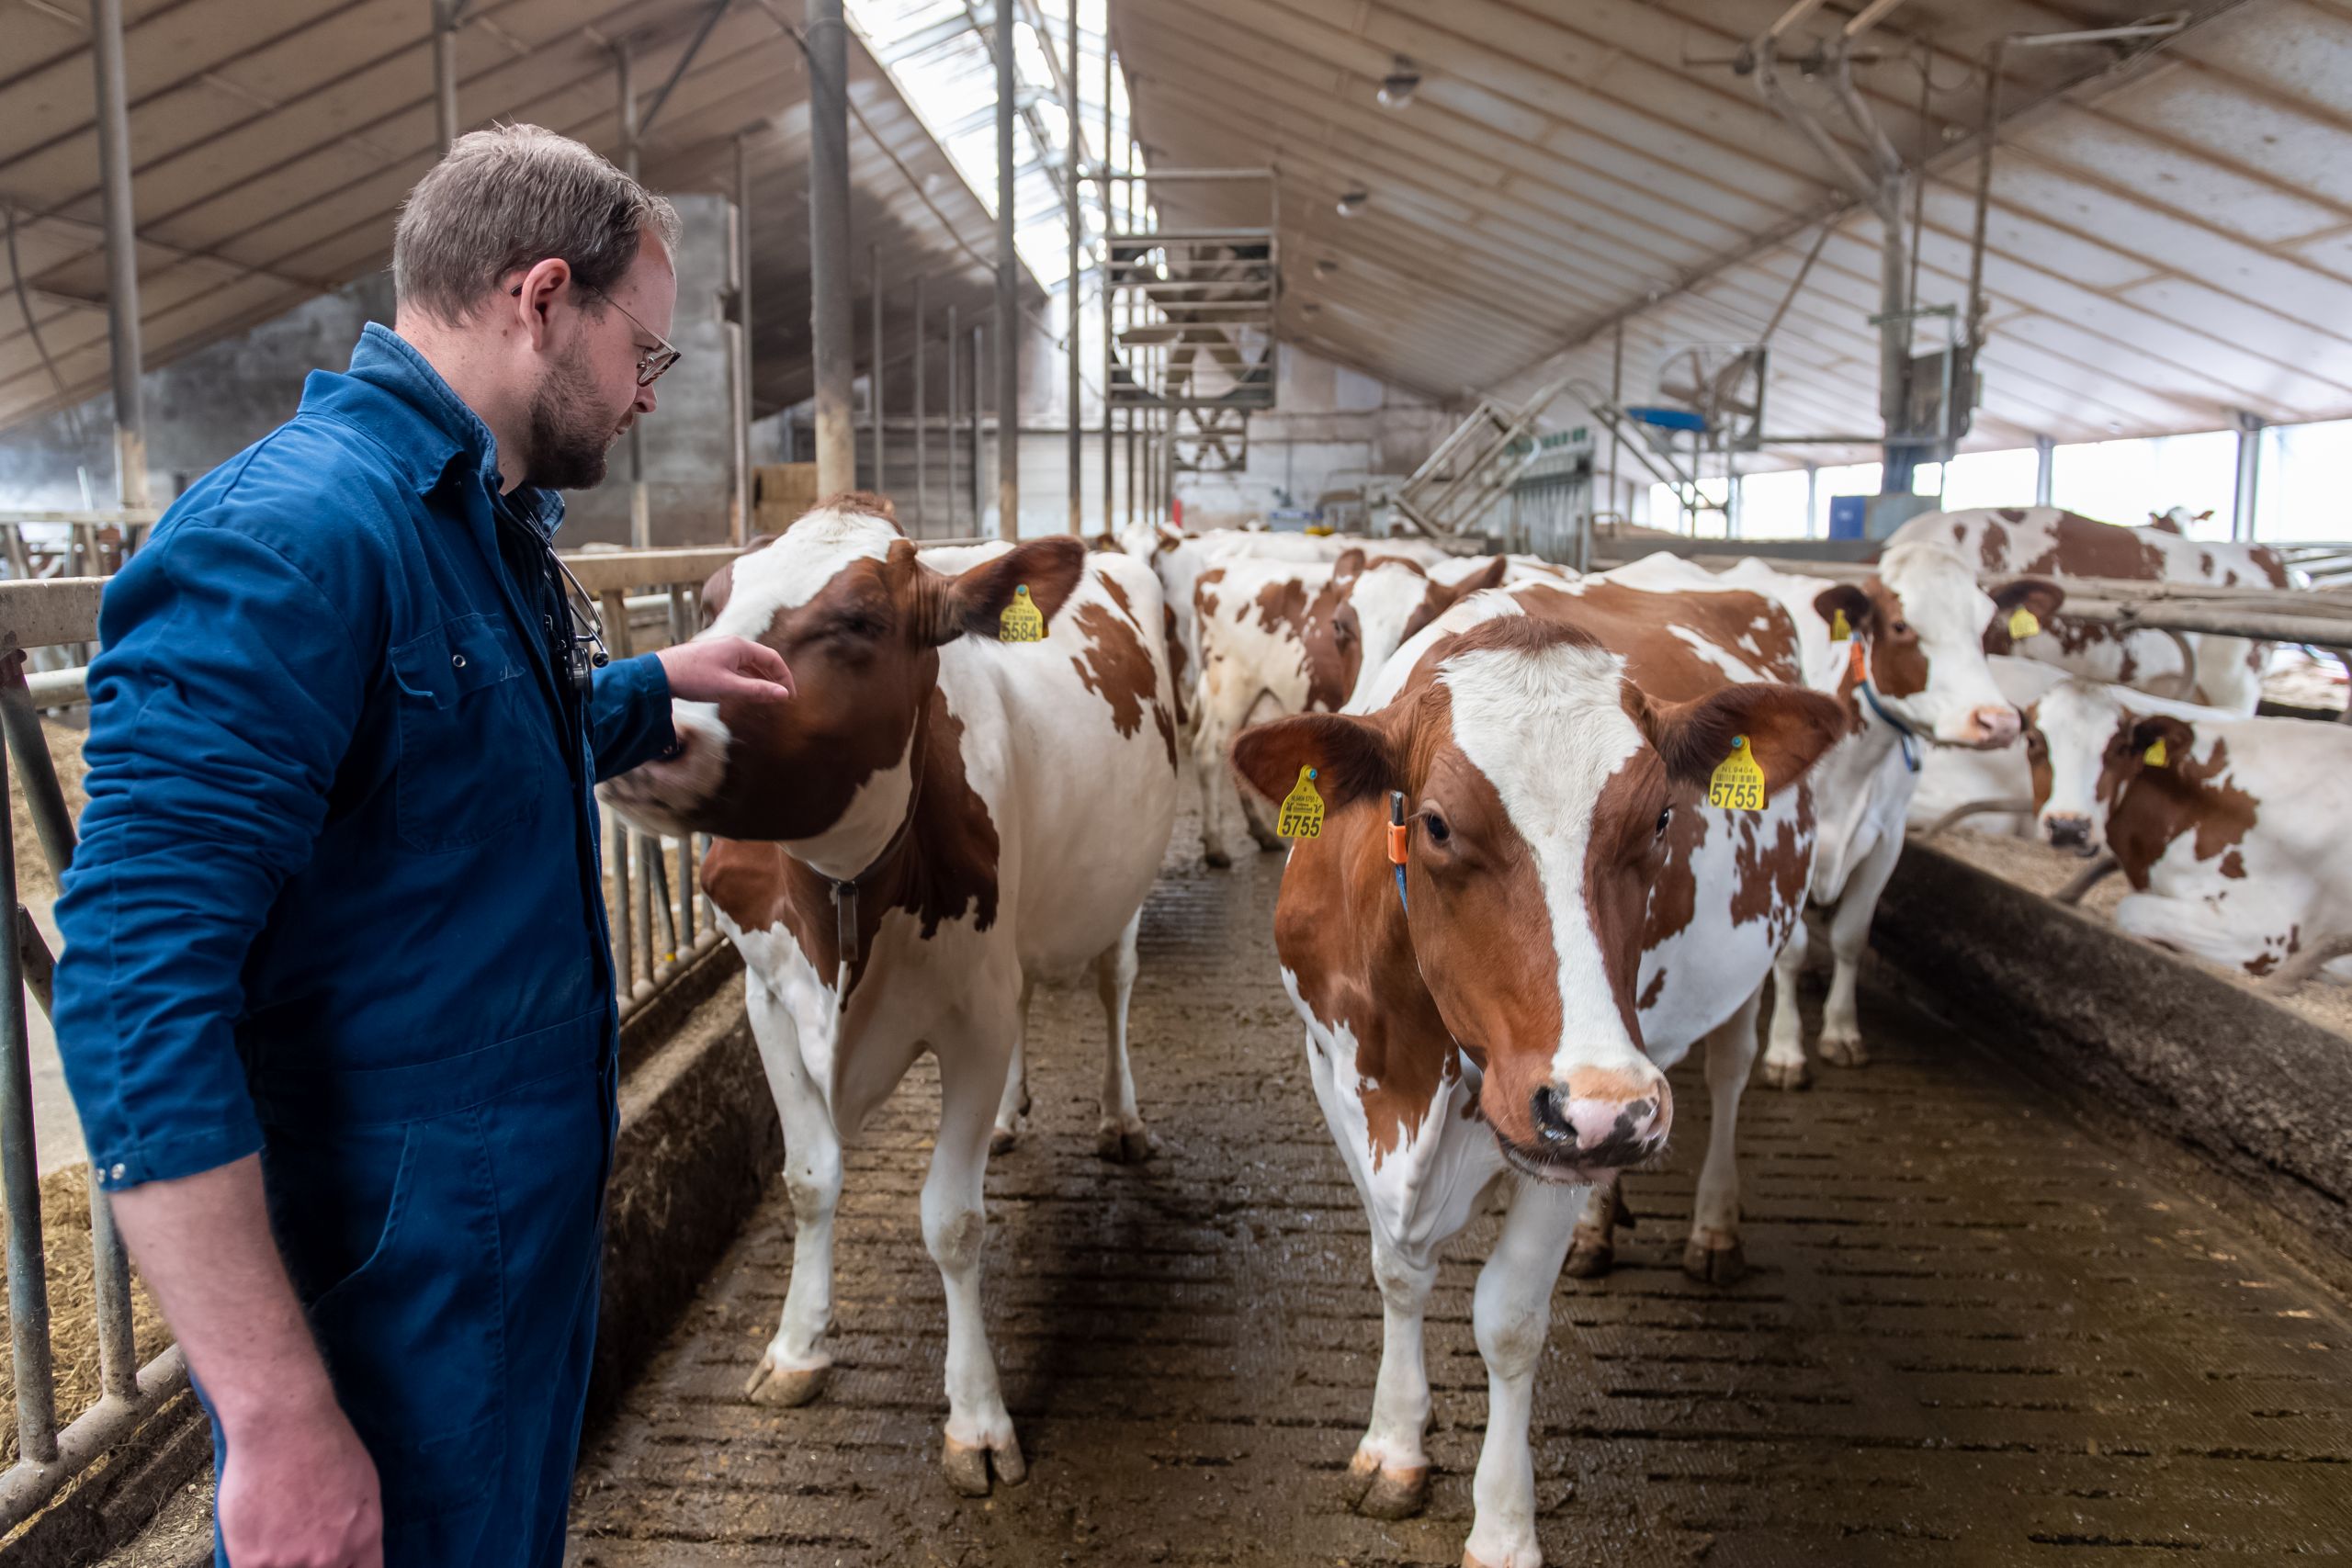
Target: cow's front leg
x=1219, y=794
x=1594, y=1251
x=955, y=1226
x=1713, y=1254
x=793, y=1369
x=1512, y=1316
x=1121, y=1134
x=1784, y=1065
x=1012, y=1106
x=1849, y=933
x=1388, y=1478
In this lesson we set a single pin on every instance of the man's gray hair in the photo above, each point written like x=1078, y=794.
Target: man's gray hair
x=509, y=197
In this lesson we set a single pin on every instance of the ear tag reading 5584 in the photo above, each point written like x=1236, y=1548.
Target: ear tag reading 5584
x=1021, y=622
x=2155, y=756
x=1737, y=784
x=2023, y=623
x=1302, y=813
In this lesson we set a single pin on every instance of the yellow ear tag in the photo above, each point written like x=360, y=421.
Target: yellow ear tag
x=2155, y=756
x=1021, y=622
x=1302, y=814
x=1839, y=627
x=1737, y=784
x=2023, y=623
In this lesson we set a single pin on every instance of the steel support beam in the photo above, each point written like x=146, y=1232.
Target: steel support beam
x=874, y=363
x=2045, y=469
x=979, y=330
x=445, y=70
x=738, y=274
x=640, y=508
x=1007, y=291
x=1109, y=227
x=923, y=411
x=122, y=253
x=954, y=418
x=829, y=300
x=2249, y=478
x=1072, y=316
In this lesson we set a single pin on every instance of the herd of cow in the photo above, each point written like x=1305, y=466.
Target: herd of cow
x=1512, y=902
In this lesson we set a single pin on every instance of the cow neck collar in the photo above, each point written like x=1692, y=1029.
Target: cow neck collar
x=1858, y=669
x=845, y=890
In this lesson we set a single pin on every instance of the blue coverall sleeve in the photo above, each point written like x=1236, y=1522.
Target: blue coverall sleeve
x=220, y=711
x=628, y=716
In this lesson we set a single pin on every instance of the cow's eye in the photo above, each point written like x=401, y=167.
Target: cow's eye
x=1435, y=825
x=1902, y=628
x=1665, y=819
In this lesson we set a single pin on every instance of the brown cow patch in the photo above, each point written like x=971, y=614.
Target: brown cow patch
x=2151, y=807
x=2083, y=547
x=1993, y=548
x=1282, y=604
x=1176, y=662
x=1770, y=880
x=1118, y=669
x=1203, y=596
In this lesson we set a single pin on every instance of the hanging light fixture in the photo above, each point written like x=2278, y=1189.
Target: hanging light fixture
x=1353, y=199
x=1397, y=88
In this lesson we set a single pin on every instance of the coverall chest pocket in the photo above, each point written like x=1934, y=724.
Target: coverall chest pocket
x=414, y=1338
x=471, y=762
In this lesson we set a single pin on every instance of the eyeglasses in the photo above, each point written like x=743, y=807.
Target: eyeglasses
x=650, y=363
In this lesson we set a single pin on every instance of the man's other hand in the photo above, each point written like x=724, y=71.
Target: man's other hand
x=298, y=1491
x=720, y=669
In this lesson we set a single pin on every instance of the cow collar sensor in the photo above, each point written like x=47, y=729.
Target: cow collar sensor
x=1399, y=834
x=845, y=934
x=1906, y=736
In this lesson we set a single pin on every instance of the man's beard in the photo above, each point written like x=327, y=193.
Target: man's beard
x=567, y=447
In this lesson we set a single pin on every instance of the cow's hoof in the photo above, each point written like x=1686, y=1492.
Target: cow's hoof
x=967, y=1466
x=785, y=1388
x=1590, y=1255
x=1845, y=1050
x=1216, y=860
x=1715, y=1259
x=1004, y=1139
x=1394, y=1494
x=1787, y=1075
x=1125, y=1146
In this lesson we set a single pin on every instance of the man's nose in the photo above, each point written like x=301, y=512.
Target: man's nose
x=644, y=403
x=1604, y=1118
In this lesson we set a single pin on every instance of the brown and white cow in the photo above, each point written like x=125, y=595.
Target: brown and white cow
x=939, y=821
x=1913, y=679
x=2230, y=830
x=1573, y=916
x=2225, y=673
x=1284, y=636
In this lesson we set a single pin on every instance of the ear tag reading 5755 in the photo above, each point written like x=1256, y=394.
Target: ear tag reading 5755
x=1302, y=814
x=1840, y=628
x=2023, y=623
x=1737, y=784
x=1021, y=622
x=2155, y=756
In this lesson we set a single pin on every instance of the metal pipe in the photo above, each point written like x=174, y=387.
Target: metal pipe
x=1988, y=136
x=702, y=33
x=922, y=412
x=1008, y=293
x=1790, y=18
x=829, y=277
x=2045, y=469
x=1868, y=18
x=739, y=287
x=1108, y=356
x=954, y=412
x=874, y=360
x=640, y=509
x=979, y=330
x=123, y=252
x=2249, y=475
x=445, y=71
x=1070, y=285
x=28, y=1274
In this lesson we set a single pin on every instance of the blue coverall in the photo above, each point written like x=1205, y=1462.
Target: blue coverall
x=337, y=900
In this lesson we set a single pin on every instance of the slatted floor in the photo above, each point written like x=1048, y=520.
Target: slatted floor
x=1975, y=1334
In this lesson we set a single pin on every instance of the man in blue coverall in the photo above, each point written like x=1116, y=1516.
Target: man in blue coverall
x=335, y=1003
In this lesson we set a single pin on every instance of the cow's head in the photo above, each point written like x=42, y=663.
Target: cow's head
x=843, y=597
x=2085, y=747
x=1538, y=783
x=1922, y=623
x=1375, y=606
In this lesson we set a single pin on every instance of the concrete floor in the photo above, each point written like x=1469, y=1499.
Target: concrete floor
x=1975, y=1334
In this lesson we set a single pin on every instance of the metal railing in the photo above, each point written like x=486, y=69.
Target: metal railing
x=658, y=928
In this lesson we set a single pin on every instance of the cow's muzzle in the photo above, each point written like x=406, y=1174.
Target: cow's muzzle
x=2068, y=831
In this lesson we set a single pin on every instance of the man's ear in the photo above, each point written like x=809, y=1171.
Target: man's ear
x=973, y=603
x=1846, y=599
x=1352, y=757
x=1787, y=729
x=2175, y=735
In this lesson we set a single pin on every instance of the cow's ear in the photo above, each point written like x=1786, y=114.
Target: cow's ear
x=1351, y=756
x=1846, y=599
x=720, y=586
x=1347, y=567
x=1488, y=576
x=2173, y=735
x=2038, y=596
x=1787, y=729
x=974, y=603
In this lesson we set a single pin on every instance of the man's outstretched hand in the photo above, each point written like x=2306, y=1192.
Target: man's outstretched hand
x=724, y=669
